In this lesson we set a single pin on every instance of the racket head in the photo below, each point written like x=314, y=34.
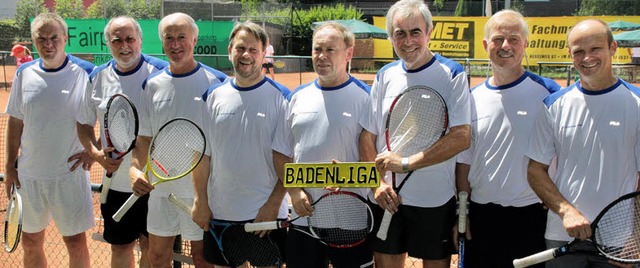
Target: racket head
x=121, y=124
x=417, y=119
x=239, y=247
x=176, y=150
x=341, y=219
x=616, y=230
x=13, y=221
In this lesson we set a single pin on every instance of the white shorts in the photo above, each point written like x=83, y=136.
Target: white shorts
x=66, y=200
x=165, y=219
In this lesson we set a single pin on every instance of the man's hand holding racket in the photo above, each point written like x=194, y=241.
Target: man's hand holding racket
x=139, y=181
x=385, y=195
x=576, y=224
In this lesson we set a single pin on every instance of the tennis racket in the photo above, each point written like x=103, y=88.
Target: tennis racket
x=340, y=219
x=120, y=131
x=615, y=235
x=13, y=221
x=236, y=245
x=462, y=226
x=417, y=119
x=174, y=152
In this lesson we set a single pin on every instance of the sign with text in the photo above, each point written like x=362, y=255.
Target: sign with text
x=320, y=175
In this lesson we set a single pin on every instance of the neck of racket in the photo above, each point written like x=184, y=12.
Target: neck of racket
x=179, y=203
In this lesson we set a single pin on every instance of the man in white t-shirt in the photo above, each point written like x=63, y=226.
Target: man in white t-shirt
x=593, y=127
x=172, y=92
x=124, y=74
x=494, y=169
x=635, y=60
x=325, y=119
x=45, y=160
x=422, y=226
x=243, y=122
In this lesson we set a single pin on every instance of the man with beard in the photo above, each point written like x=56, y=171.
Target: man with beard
x=124, y=74
x=243, y=121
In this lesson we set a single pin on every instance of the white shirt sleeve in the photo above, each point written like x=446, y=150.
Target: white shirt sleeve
x=541, y=145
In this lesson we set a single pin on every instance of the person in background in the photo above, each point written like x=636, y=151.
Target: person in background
x=124, y=74
x=593, y=127
x=267, y=63
x=494, y=169
x=21, y=53
x=45, y=160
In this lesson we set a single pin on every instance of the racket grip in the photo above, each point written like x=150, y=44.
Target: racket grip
x=181, y=204
x=540, y=257
x=106, y=184
x=384, y=225
x=462, y=212
x=261, y=226
x=125, y=207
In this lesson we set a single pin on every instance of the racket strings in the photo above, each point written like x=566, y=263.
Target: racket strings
x=176, y=149
x=121, y=122
x=240, y=247
x=13, y=225
x=617, y=233
x=341, y=219
x=418, y=119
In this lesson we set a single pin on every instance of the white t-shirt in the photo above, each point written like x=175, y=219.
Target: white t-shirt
x=635, y=52
x=240, y=125
x=502, y=119
x=325, y=124
x=105, y=82
x=432, y=186
x=167, y=96
x=269, y=54
x=47, y=101
x=596, y=138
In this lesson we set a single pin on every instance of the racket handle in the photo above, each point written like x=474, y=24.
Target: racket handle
x=125, y=207
x=106, y=184
x=261, y=226
x=462, y=212
x=384, y=225
x=540, y=257
x=179, y=203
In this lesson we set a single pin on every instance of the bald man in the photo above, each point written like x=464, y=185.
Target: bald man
x=593, y=127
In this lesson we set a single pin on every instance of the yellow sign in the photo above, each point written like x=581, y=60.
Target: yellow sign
x=461, y=37
x=320, y=175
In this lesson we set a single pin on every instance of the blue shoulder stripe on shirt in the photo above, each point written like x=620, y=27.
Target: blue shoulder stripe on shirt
x=27, y=64
x=362, y=85
x=384, y=68
x=556, y=95
x=87, y=66
x=547, y=83
x=283, y=90
x=297, y=89
x=155, y=62
x=144, y=84
x=207, y=92
x=631, y=87
x=454, y=66
x=220, y=75
x=99, y=69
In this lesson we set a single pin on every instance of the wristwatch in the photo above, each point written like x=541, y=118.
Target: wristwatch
x=405, y=164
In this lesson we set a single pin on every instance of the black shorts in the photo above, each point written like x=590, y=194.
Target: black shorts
x=213, y=255
x=494, y=226
x=304, y=251
x=132, y=225
x=267, y=65
x=424, y=233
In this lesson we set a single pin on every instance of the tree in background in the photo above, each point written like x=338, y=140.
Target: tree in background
x=26, y=9
x=609, y=8
x=106, y=9
x=145, y=9
x=70, y=9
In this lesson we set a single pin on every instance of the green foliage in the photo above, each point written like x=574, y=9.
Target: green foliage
x=70, y=9
x=8, y=31
x=26, y=9
x=107, y=9
x=462, y=9
x=303, y=19
x=517, y=5
x=145, y=9
x=610, y=8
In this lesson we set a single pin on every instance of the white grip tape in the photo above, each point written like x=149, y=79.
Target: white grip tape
x=106, y=184
x=543, y=256
x=125, y=207
x=181, y=204
x=261, y=226
x=462, y=211
x=384, y=225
